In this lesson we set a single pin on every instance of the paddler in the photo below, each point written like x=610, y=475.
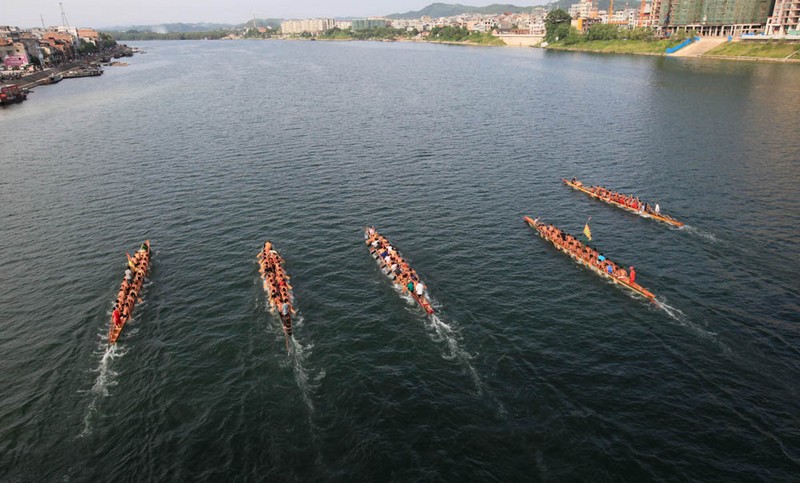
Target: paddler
x=285, y=308
x=632, y=275
x=657, y=209
x=115, y=316
x=420, y=290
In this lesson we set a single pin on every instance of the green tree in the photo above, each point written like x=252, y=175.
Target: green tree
x=573, y=36
x=87, y=48
x=554, y=24
x=561, y=32
x=602, y=31
x=639, y=33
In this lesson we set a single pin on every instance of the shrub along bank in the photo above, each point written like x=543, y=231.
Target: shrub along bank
x=605, y=38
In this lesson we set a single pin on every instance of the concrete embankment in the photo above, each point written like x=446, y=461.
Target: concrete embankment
x=31, y=80
x=521, y=40
x=699, y=47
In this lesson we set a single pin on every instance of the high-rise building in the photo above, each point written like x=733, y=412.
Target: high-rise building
x=368, y=23
x=785, y=19
x=310, y=25
x=712, y=17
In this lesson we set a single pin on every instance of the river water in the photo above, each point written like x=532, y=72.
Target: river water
x=534, y=369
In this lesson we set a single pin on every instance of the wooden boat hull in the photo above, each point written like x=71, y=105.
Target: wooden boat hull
x=286, y=320
x=421, y=301
x=635, y=287
x=661, y=218
x=115, y=330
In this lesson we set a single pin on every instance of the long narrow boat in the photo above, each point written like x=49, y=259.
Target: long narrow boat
x=591, y=191
x=130, y=290
x=588, y=262
x=387, y=256
x=276, y=284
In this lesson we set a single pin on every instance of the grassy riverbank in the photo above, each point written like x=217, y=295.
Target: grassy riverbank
x=770, y=49
x=612, y=39
x=619, y=46
x=487, y=40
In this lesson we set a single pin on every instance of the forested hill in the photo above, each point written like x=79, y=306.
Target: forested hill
x=450, y=9
x=436, y=10
x=169, y=28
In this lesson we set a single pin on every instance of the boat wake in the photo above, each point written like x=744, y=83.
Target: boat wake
x=705, y=235
x=684, y=321
x=444, y=333
x=298, y=357
x=447, y=334
x=105, y=380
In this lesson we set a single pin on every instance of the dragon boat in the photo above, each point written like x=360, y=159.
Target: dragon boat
x=130, y=290
x=587, y=261
x=379, y=247
x=639, y=209
x=276, y=284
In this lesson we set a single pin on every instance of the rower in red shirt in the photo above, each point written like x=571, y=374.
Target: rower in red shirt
x=632, y=275
x=115, y=317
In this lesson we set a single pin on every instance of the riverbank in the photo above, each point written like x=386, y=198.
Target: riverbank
x=640, y=47
x=32, y=80
x=467, y=43
x=747, y=50
x=769, y=50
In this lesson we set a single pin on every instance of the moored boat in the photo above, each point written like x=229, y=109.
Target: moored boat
x=588, y=257
x=11, y=93
x=396, y=268
x=615, y=199
x=276, y=284
x=130, y=290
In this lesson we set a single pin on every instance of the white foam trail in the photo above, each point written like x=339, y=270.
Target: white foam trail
x=683, y=320
x=442, y=332
x=708, y=236
x=298, y=354
x=106, y=379
x=446, y=334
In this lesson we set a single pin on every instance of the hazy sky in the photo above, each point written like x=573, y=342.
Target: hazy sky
x=108, y=13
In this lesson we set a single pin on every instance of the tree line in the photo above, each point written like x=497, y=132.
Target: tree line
x=148, y=35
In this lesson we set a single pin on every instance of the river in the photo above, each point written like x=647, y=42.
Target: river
x=533, y=369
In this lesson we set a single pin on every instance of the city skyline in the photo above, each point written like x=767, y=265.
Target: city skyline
x=101, y=14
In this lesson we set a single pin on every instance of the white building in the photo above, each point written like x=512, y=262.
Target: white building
x=584, y=9
x=785, y=19
x=310, y=25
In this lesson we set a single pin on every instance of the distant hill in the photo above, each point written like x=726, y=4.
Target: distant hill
x=166, y=28
x=600, y=4
x=274, y=23
x=451, y=9
x=173, y=27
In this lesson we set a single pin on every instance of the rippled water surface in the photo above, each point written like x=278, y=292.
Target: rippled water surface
x=533, y=369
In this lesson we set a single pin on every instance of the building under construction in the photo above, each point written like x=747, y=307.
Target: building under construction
x=785, y=19
x=710, y=17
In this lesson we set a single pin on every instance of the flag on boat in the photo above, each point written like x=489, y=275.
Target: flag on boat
x=587, y=231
